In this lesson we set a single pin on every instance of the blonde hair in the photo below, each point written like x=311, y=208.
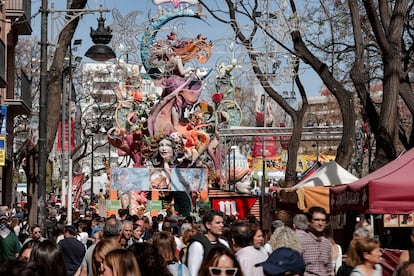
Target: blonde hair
x=284, y=237
x=101, y=249
x=365, y=246
x=122, y=262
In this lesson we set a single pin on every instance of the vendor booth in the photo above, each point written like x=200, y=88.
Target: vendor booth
x=388, y=190
x=314, y=190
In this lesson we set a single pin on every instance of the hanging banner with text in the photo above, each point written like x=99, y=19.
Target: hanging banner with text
x=232, y=206
x=66, y=136
x=2, y=150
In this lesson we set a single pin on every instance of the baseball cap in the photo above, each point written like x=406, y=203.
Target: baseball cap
x=283, y=260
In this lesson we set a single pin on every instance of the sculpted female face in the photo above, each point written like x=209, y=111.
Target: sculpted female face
x=165, y=148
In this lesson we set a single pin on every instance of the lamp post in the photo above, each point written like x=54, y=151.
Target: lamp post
x=41, y=215
x=92, y=167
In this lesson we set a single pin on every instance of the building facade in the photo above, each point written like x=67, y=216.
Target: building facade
x=15, y=87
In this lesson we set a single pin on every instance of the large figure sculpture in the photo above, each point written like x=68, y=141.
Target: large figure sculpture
x=174, y=130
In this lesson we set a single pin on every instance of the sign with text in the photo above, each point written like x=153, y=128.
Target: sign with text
x=2, y=150
x=113, y=204
x=65, y=135
x=3, y=119
x=154, y=205
x=231, y=206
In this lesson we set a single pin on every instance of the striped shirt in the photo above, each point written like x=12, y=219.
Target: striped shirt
x=316, y=252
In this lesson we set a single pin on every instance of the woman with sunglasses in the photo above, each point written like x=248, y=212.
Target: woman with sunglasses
x=220, y=261
x=35, y=234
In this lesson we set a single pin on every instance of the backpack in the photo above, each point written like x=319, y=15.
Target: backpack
x=24, y=231
x=201, y=238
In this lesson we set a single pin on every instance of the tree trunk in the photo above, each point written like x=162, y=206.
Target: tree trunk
x=387, y=23
x=344, y=98
x=293, y=147
x=387, y=134
x=53, y=106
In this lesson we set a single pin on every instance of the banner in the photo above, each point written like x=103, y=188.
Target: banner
x=159, y=179
x=66, y=137
x=270, y=147
x=2, y=150
x=3, y=119
x=112, y=205
x=154, y=205
x=77, y=183
x=231, y=206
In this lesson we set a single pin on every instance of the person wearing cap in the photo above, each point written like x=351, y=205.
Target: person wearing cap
x=241, y=241
x=9, y=242
x=316, y=249
x=283, y=261
x=73, y=250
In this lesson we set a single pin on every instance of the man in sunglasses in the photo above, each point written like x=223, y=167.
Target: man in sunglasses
x=200, y=244
x=316, y=249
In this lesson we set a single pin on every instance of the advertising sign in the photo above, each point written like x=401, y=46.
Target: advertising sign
x=3, y=119
x=2, y=150
x=65, y=135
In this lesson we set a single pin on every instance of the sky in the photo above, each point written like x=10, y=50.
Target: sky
x=220, y=34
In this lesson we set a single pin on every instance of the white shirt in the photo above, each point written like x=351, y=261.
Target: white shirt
x=195, y=256
x=249, y=256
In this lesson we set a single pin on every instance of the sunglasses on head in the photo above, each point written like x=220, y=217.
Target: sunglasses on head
x=219, y=271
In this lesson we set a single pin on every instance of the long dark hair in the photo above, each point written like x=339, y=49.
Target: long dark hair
x=166, y=246
x=150, y=262
x=48, y=255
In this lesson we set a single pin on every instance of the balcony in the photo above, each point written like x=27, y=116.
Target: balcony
x=22, y=101
x=20, y=11
x=3, y=82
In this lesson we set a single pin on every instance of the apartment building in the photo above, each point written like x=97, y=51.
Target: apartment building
x=15, y=87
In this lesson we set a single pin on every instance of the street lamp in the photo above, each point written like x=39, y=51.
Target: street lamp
x=101, y=37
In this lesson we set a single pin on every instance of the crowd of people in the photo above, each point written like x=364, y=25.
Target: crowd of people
x=124, y=245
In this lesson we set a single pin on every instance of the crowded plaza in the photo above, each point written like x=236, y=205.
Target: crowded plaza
x=206, y=138
x=209, y=243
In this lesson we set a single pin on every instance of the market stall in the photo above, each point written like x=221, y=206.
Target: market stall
x=388, y=190
x=314, y=190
